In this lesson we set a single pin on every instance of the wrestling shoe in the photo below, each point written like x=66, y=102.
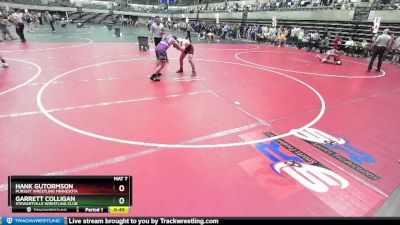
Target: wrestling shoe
x=154, y=78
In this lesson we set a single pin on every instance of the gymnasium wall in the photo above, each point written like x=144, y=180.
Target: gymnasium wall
x=323, y=15
x=37, y=7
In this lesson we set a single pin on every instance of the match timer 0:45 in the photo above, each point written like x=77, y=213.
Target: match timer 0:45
x=87, y=194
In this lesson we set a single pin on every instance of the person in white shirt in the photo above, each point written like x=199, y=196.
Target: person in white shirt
x=293, y=35
x=51, y=21
x=300, y=37
x=63, y=22
x=349, y=43
x=349, y=46
x=4, y=30
x=16, y=19
x=396, y=51
x=314, y=41
x=188, y=30
x=39, y=15
x=378, y=49
x=156, y=30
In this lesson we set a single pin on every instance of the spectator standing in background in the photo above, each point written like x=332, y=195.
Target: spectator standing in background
x=378, y=49
x=63, y=22
x=4, y=30
x=324, y=45
x=286, y=32
x=314, y=41
x=281, y=39
x=51, y=21
x=336, y=42
x=16, y=18
x=149, y=23
x=300, y=37
x=39, y=15
x=238, y=27
x=156, y=30
x=35, y=21
x=248, y=33
x=396, y=50
x=188, y=30
x=56, y=18
x=365, y=46
x=391, y=43
x=293, y=35
x=28, y=19
x=349, y=46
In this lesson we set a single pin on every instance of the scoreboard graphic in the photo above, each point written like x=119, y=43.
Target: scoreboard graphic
x=75, y=194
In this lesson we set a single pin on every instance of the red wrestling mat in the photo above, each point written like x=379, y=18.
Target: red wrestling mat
x=205, y=146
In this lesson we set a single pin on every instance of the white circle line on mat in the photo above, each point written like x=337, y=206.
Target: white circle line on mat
x=230, y=49
x=163, y=145
x=308, y=73
x=90, y=41
x=39, y=71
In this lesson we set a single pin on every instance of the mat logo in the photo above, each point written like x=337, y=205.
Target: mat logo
x=314, y=135
x=9, y=220
x=302, y=168
x=312, y=177
x=334, y=143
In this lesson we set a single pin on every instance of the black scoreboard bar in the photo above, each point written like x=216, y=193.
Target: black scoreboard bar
x=97, y=194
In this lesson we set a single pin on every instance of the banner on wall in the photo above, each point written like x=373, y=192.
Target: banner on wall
x=274, y=21
x=371, y=16
x=377, y=23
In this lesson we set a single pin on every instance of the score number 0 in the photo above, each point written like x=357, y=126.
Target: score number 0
x=121, y=188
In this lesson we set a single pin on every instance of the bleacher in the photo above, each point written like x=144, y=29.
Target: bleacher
x=62, y=3
x=99, y=18
x=88, y=18
x=147, y=2
x=39, y=2
x=357, y=30
x=94, y=6
x=350, y=29
x=25, y=2
x=110, y=19
x=76, y=16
